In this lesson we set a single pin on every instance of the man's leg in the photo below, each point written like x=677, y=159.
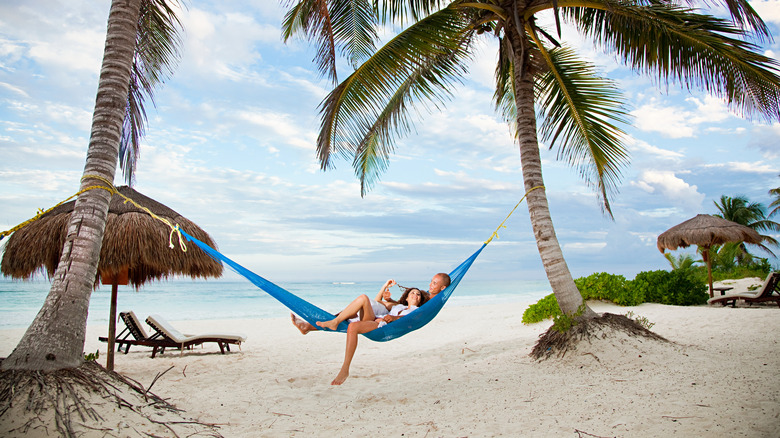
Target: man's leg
x=302, y=325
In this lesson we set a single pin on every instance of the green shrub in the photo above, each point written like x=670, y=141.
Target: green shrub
x=641, y=320
x=600, y=286
x=651, y=284
x=92, y=356
x=563, y=323
x=545, y=308
x=676, y=288
x=611, y=287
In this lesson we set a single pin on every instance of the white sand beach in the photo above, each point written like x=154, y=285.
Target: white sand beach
x=468, y=374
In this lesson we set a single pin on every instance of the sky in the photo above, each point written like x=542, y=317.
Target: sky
x=231, y=146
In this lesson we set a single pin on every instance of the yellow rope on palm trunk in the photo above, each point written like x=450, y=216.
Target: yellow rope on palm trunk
x=495, y=233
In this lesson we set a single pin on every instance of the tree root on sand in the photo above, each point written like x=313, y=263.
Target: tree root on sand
x=87, y=401
x=555, y=343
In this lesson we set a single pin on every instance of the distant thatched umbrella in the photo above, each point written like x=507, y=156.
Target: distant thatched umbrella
x=704, y=231
x=135, y=248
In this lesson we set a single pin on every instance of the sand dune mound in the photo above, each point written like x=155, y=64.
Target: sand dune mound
x=87, y=401
x=608, y=334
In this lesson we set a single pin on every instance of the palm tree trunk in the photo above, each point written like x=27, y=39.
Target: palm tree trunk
x=561, y=281
x=55, y=339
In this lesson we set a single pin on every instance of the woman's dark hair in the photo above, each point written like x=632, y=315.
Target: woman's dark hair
x=423, y=296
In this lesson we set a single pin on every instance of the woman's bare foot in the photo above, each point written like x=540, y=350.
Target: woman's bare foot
x=340, y=378
x=301, y=325
x=331, y=325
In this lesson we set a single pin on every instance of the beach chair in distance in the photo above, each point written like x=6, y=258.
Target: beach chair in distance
x=134, y=334
x=170, y=337
x=770, y=291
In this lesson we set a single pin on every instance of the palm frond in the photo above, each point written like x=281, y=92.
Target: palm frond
x=696, y=50
x=743, y=15
x=775, y=204
x=156, y=55
x=399, y=11
x=312, y=19
x=579, y=113
x=354, y=28
x=366, y=112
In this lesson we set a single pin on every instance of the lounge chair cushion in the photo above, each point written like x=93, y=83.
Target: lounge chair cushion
x=170, y=332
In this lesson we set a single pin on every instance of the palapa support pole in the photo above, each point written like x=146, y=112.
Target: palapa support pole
x=112, y=325
x=705, y=254
x=115, y=280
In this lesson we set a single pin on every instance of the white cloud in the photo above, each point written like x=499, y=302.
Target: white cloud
x=769, y=10
x=741, y=166
x=584, y=247
x=642, y=147
x=659, y=212
x=225, y=44
x=667, y=120
x=669, y=186
x=767, y=140
x=76, y=50
x=283, y=125
x=14, y=89
x=677, y=121
x=43, y=180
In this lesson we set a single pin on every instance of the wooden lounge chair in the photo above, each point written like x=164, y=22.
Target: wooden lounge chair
x=770, y=291
x=134, y=334
x=170, y=337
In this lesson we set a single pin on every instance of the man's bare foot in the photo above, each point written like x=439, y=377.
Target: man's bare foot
x=301, y=325
x=332, y=324
x=340, y=378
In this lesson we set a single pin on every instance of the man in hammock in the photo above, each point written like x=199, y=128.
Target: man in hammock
x=363, y=307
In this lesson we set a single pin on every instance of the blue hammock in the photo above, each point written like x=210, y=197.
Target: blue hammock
x=311, y=313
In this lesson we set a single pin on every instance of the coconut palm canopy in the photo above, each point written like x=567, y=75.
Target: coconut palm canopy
x=705, y=230
x=133, y=240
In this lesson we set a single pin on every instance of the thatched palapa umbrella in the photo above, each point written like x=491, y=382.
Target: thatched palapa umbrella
x=704, y=231
x=135, y=248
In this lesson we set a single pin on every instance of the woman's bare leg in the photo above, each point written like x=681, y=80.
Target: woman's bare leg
x=361, y=303
x=353, y=331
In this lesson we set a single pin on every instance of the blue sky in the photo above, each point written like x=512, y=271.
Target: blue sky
x=231, y=145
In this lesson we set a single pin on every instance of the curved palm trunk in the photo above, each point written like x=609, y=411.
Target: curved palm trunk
x=561, y=281
x=55, y=339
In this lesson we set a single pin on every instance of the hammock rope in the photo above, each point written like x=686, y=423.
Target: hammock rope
x=312, y=314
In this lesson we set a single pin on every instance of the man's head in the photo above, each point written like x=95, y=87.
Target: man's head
x=439, y=282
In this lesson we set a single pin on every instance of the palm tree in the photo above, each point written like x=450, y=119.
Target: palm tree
x=750, y=214
x=681, y=262
x=775, y=204
x=579, y=110
x=55, y=339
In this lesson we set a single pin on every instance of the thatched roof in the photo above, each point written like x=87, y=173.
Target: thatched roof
x=133, y=240
x=706, y=230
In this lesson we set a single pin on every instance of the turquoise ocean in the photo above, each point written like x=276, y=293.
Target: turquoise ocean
x=185, y=299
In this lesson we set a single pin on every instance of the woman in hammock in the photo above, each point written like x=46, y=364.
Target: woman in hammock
x=410, y=300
